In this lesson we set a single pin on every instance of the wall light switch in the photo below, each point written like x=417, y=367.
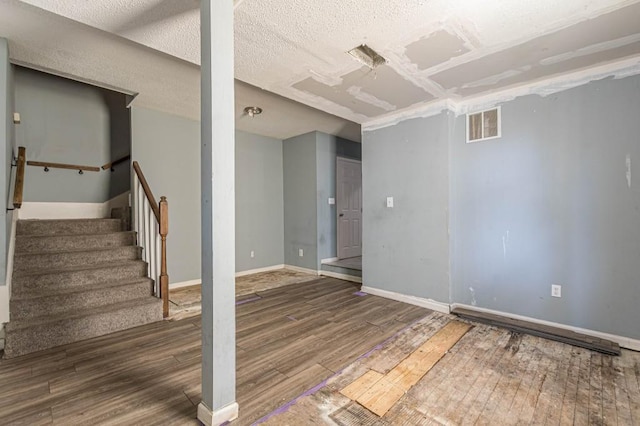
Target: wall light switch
x=16, y=117
x=332, y=201
x=389, y=201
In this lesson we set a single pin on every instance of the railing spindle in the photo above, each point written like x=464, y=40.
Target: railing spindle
x=152, y=227
x=164, y=231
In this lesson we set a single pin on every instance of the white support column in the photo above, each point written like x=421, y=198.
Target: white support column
x=218, y=214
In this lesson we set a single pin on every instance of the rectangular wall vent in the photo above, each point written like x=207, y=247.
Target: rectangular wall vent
x=484, y=125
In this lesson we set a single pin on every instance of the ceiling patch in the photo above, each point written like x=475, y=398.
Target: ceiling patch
x=612, y=26
x=338, y=96
x=386, y=84
x=367, y=56
x=559, y=68
x=357, y=93
x=435, y=49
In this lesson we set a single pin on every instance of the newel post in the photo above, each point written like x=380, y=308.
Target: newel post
x=164, y=278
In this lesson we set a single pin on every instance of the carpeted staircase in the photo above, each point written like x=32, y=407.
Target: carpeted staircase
x=73, y=280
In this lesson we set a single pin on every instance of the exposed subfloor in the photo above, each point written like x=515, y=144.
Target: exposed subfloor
x=321, y=335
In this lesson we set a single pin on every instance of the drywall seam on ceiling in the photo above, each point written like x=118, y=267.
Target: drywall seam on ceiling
x=595, y=48
x=495, y=79
x=427, y=110
x=485, y=50
x=618, y=69
x=404, y=67
x=325, y=105
x=363, y=96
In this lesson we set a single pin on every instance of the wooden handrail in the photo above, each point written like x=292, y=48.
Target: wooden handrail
x=19, y=186
x=46, y=166
x=110, y=164
x=147, y=191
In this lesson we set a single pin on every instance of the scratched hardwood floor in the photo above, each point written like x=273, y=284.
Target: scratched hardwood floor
x=288, y=340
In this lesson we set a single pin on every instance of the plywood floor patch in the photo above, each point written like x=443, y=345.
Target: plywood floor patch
x=361, y=385
x=379, y=393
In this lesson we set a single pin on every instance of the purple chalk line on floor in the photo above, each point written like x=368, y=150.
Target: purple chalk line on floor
x=284, y=408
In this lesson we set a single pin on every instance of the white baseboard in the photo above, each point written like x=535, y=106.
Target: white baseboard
x=184, y=284
x=339, y=276
x=412, y=300
x=218, y=417
x=258, y=270
x=37, y=210
x=329, y=260
x=624, y=342
x=303, y=270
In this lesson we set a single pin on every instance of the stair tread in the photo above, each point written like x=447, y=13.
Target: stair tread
x=73, y=251
x=90, y=234
x=85, y=219
x=50, y=320
x=45, y=292
x=52, y=271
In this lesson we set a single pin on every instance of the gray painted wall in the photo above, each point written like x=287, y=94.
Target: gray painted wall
x=300, y=209
x=168, y=150
x=259, y=202
x=406, y=248
x=120, y=146
x=63, y=121
x=328, y=148
x=6, y=124
x=549, y=203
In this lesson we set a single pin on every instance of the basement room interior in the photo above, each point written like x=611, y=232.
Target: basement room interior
x=301, y=212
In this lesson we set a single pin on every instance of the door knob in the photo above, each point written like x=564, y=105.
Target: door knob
x=341, y=214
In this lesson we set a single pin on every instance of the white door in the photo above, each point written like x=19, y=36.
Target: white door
x=349, y=207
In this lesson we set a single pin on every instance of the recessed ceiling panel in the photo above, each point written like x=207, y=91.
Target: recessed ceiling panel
x=615, y=25
x=435, y=49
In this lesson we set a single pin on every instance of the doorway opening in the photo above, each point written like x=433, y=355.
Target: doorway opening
x=349, y=213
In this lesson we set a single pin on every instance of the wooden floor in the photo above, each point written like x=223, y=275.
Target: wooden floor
x=287, y=341
x=185, y=301
x=314, y=335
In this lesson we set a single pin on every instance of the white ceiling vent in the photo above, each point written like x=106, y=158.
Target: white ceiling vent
x=484, y=125
x=367, y=56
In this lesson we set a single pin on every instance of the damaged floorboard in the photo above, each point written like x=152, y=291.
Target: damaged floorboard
x=548, y=332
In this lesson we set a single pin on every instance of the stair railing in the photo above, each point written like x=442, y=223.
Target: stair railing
x=151, y=223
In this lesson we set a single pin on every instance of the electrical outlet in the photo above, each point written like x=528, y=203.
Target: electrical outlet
x=253, y=254
x=556, y=290
x=300, y=252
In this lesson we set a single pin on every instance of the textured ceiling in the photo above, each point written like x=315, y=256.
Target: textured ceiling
x=435, y=49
